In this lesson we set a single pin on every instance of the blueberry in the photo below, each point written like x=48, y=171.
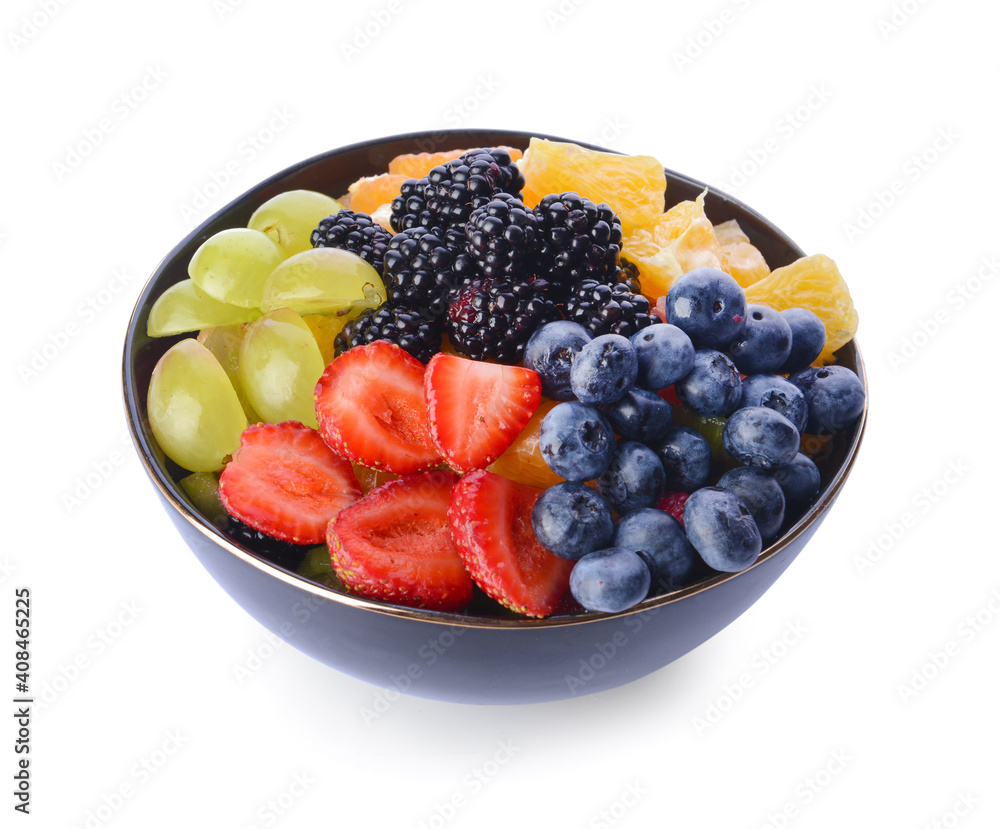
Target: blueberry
x=550, y=352
x=835, y=395
x=760, y=437
x=571, y=520
x=610, y=580
x=808, y=339
x=665, y=355
x=765, y=342
x=604, y=370
x=799, y=481
x=761, y=494
x=773, y=391
x=576, y=441
x=722, y=530
x=634, y=479
x=686, y=457
x=712, y=388
x=660, y=539
x=709, y=305
x=640, y=415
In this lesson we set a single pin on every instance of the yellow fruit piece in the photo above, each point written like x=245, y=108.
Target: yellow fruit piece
x=369, y=478
x=369, y=193
x=418, y=165
x=740, y=259
x=383, y=215
x=658, y=267
x=815, y=283
x=522, y=462
x=325, y=328
x=632, y=184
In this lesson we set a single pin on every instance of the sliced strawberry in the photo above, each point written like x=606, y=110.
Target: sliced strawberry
x=370, y=407
x=490, y=520
x=395, y=544
x=286, y=482
x=477, y=409
x=673, y=503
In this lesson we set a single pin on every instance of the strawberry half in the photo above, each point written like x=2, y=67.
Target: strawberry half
x=286, y=482
x=395, y=544
x=370, y=408
x=477, y=409
x=490, y=520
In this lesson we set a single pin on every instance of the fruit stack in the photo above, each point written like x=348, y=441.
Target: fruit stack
x=512, y=384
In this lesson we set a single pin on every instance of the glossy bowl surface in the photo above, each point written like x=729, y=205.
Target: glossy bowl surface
x=454, y=657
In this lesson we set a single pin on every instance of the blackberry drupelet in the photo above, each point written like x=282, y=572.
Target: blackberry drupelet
x=501, y=238
x=628, y=274
x=417, y=335
x=493, y=319
x=577, y=240
x=608, y=309
x=422, y=268
x=356, y=232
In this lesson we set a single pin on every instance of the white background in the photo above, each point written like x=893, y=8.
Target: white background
x=867, y=131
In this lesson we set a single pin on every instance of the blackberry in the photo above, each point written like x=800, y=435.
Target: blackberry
x=283, y=553
x=493, y=319
x=501, y=237
x=422, y=267
x=578, y=240
x=417, y=335
x=356, y=232
x=608, y=309
x=628, y=274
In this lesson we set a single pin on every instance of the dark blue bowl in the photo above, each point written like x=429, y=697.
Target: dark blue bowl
x=444, y=656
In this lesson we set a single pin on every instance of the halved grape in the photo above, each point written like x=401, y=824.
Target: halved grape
x=203, y=490
x=233, y=265
x=183, y=308
x=290, y=218
x=224, y=342
x=193, y=410
x=323, y=281
x=280, y=365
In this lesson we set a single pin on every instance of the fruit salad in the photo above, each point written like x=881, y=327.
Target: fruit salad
x=501, y=384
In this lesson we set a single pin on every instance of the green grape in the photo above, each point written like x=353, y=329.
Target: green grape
x=193, y=410
x=183, y=308
x=233, y=265
x=224, y=342
x=323, y=281
x=203, y=490
x=290, y=218
x=280, y=365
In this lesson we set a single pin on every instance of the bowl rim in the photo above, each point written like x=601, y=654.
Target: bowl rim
x=168, y=487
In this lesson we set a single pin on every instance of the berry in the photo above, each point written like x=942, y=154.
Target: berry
x=501, y=238
x=577, y=240
x=660, y=539
x=722, y=530
x=628, y=275
x=665, y=355
x=493, y=320
x=761, y=494
x=409, y=208
x=571, y=520
x=286, y=482
x=490, y=519
x=402, y=520
x=640, y=415
x=477, y=409
x=673, y=504
x=713, y=387
x=760, y=437
x=421, y=270
x=835, y=396
x=774, y=392
x=550, y=351
x=634, y=478
x=371, y=410
x=686, y=457
x=765, y=342
x=799, y=481
x=417, y=335
x=608, y=309
x=576, y=441
x=285, y=554
x=808, y=339
x=356, y=232
x=611, y=580
x=604, y=370
x=709, y=305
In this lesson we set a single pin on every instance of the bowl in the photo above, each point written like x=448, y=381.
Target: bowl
x=448, y=656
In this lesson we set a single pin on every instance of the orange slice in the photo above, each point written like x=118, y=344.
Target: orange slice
x=740, y=259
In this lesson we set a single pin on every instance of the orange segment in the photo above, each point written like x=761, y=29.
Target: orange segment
x=418, y=165
x=325, y=328
x=740, y=259
x=632, y=184
x=522, y=461
x=812, y=282
x=369, y=193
